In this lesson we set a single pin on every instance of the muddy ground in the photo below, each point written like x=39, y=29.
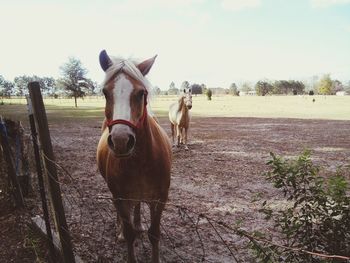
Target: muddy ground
x=220, y=176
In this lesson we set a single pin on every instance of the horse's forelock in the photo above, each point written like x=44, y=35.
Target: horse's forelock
x=128, y=66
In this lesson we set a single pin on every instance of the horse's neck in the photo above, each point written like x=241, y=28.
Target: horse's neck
x=182, y=106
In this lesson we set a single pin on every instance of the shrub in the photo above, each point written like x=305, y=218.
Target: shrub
x=209, y=94
x=318, y=216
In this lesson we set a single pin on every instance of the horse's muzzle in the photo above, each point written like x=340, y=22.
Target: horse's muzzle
x=122, y=144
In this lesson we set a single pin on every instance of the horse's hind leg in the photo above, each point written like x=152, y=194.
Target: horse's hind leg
x=154, y=230
x=172, y=126
x=124, y=209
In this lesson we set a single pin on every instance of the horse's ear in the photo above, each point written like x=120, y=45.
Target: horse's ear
x=105, y=61
x=146, y=65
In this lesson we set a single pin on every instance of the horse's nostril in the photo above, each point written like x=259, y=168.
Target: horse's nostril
x=131, y=142
x=110, y=142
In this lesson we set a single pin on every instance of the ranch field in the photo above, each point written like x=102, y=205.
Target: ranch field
x=220, y=176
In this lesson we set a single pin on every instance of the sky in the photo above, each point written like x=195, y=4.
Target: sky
x=215, y=42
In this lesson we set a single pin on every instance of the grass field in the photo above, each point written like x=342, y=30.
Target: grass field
x=324, y=107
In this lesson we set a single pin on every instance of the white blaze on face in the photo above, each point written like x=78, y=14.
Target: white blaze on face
x=121, y=92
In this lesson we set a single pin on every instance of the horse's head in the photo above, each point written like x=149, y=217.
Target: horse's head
x=188, y=97
x=125, y=89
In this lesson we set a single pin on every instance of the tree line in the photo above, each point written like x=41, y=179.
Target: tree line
x=72, y=83
x=324, y=86
x=75, y=83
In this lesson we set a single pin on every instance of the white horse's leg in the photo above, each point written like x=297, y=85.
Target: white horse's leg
x=186, y=129
x=172, y=132
x=181, y=136
x=178, y=134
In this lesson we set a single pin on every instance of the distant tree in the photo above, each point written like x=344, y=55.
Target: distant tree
x=209, y=94
x=196, y=89
x=297, y=87
x=337, y=86
x=48, y=85
x=185, y=85
x=156, y=90
x=74, y=81
x=21, y=84
x=246, y=87
x=6, y=87
x=311, y=92
x=204, y=88
x=324, y=86
x=347, y=88
x=263, y=88
x=172, y=89
x=282, y=87
x=233, y=90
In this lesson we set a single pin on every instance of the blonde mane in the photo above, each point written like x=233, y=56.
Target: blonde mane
x=128, y=66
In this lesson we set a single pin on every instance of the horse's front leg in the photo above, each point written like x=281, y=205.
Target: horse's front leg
x=154, y=230
x=186, y=148
x=172, y=126
x=178, y=134
x=119, y=225
x=124, y=210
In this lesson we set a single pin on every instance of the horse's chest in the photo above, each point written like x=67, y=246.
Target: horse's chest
x=137, y=182
x=183, y=119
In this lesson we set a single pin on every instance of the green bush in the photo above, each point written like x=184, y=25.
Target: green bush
x=209, y=93
x=317, y=218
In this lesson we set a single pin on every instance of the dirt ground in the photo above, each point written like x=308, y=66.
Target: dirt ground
x=220, y=177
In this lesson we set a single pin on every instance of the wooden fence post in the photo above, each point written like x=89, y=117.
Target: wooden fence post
x=40, y=180
x=51, y=171
x=9, y=165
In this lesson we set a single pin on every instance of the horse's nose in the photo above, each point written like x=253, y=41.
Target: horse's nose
x=189, y=107
x=122, y=144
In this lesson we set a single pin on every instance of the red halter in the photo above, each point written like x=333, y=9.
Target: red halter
x=139, y=124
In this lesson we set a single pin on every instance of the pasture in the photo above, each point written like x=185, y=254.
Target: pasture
x=220, y=176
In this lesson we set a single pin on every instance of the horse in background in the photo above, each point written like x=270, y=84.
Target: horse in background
x=180, y=117
x=134, y=152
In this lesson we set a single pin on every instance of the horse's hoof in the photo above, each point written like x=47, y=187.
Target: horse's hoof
x=186, y=148
x=140, y=228
x=120, y=237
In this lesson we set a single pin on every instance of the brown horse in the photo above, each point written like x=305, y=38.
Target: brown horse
x=134, y=152
x=179, y=117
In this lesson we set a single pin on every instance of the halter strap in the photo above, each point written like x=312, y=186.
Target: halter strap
x=139, y=124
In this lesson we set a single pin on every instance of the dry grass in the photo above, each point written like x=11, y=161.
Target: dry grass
x=324, y=107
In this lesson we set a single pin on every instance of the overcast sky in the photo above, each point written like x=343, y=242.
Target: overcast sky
x=215, y=42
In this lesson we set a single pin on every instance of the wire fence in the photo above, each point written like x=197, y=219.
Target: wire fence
x=187, y=235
